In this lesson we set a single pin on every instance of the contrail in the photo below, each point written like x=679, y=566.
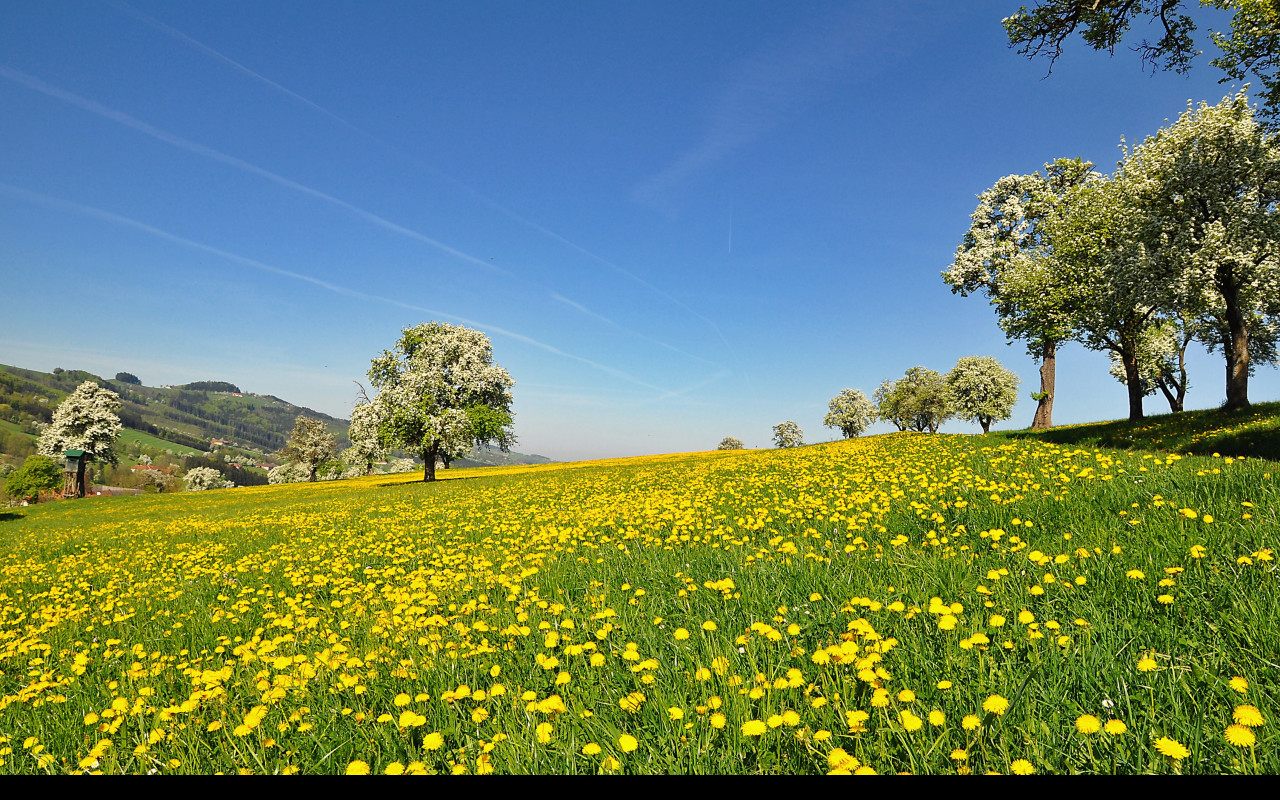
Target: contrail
x=97, y=213
x=120, y=117
x=495, y=205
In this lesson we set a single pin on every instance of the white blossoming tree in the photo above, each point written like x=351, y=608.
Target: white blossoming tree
x=982, y=390
x=1006, y=255
x=787, y=434
x=310, y=444
x=199, y=479
x=851, y=412
x=87, y=420
x=1208, y=187
x=363, y=433
x=730, y=443
x=440, y=393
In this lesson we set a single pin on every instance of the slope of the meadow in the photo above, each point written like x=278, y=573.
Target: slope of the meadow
x=919, y=603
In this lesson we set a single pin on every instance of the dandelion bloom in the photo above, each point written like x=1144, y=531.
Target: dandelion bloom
x=995, y=704
x=433, y=741
x=1239, y=684
x=611, y=764
x=543, y=732
x=681, y=634
x=1248, y=715
x=718, y=721
x=627, y=743
x=1147, y=664
x=754, y=727
x=937, y=718
x=1115, y=727
x=910, y=721
x=591, y=749
x=906, y=696
x=1022, y=767
x=1088, y=723
x=1172, y=749
x=970, y=722
x=358, y=768
x=1240, y=736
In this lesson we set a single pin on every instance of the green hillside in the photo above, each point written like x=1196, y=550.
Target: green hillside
x=188, y=416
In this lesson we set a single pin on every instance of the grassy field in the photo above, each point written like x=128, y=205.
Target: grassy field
x=931, y=604
x=13, y=427
x=1254, y=433
x=129, y=436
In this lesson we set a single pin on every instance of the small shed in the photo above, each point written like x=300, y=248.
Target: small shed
x=73, y=472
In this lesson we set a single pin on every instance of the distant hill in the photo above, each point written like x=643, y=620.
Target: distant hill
x=192, y=415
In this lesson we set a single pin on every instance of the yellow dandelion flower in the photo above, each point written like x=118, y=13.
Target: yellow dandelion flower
x=971, y=722
x=543, y=732
x=1146, y=664
x=718, y=721
x=591, y=749
x=1237, y=683
x=910, y=721
x=1248, y=715
x=754, y=727
x=1171, y=748
x=995, y=704
x=1088, y=724
x=1115, y=727
x=937, y=718
x=358, y=768
x=433, y=741
x=394, y=768
x=627, y=743
x=1240, y=736
x=1022, y=767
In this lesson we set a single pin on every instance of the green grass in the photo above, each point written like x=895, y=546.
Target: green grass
x=13, y=427
x=129, y=436
x=291, y=627
x=1254, y=433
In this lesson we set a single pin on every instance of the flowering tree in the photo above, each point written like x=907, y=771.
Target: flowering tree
x=440, y=393
x=87, y=420
x=787, y=434
x=851, y=412
x=982, y=390
x=1006, y=255
x=289, y=473
x=917, y=401
x=310, y=444
x=199, y=479
x=1207, y=187
x=730, y=443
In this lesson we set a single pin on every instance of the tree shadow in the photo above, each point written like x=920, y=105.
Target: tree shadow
x=9, y=516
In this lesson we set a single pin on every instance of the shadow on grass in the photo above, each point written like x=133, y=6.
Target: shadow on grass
x=1253, y=433
x=9, y=516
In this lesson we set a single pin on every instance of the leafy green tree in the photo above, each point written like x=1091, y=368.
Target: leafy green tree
x=1006, y=255
x=310, y=444
x=1162, y=359
x=128, y=377
x=1252, y=45
x=38, y=473
x=440, y=392
x=888, y=402
x=921, y=400
x=982, y=390
x=851, y=412
x=730, y=443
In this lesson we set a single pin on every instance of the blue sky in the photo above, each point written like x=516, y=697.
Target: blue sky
x=675, y=221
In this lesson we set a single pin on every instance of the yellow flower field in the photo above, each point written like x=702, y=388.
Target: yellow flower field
x=898, y=603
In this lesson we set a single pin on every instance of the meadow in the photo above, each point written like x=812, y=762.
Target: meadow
x=902, y=603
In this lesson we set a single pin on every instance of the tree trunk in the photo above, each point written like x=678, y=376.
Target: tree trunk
x=1236, y=349
x=985, y=422
x=429, y=465
x=1132, y=378
x=1044, y=411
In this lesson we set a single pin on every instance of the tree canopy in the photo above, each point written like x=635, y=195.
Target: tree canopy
x=1250, y=46
x=787, y=434
x=851, y=412
x=730, y=443
x=87, y=420
x=439, y=393
x=310, y=444
x=982, y=390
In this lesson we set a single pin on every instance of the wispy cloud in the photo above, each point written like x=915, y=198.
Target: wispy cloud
x=431, y=168
x=35, y=84
x=107, y=216
x=770, y=86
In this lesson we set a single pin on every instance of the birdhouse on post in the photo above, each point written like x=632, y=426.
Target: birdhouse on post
x=73, y=472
